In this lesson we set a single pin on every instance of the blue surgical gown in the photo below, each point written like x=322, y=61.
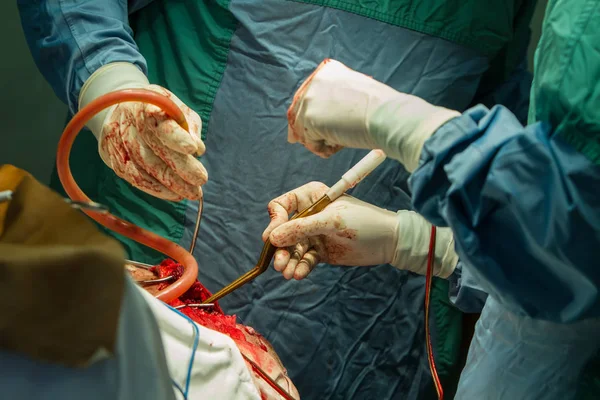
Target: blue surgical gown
x=524, y=207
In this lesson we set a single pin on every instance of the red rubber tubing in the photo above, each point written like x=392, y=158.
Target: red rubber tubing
x=428, y=282
x=108, y=220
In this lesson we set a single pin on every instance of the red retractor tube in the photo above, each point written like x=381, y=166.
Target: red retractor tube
x=108, y=220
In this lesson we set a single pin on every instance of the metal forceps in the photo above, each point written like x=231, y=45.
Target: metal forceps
x=350, y=179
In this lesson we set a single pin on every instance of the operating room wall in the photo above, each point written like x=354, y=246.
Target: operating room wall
x=33, y=117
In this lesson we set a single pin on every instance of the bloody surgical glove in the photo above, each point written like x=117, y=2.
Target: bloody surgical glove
x=352, y=232
x=337, y=107
x=140, y=142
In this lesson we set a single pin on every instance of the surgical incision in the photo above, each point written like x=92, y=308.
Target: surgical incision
x=251, y=344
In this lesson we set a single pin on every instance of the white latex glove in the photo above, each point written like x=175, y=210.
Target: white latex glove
x=337, y=107
x=140, y=143
x=354, y=233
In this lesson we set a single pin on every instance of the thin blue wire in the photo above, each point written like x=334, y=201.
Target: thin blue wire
x=194, y=348
x=179, y=388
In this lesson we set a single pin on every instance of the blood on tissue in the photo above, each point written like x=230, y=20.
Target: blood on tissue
x=212, y=318
x=250, y=343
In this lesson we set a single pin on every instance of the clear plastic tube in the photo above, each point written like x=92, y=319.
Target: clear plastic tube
x=108, y=220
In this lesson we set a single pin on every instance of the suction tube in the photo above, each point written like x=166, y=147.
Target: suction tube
x=108, y=220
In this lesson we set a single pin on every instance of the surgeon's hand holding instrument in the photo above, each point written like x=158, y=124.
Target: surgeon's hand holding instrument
x=336, y=107
x=350, y=179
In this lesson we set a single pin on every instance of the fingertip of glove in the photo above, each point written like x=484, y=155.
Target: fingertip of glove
x=201, y=148
x=265, y=235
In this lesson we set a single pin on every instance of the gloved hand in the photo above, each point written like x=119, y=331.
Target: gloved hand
x=140, y=143
x=352, y=232
x=337, y=107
